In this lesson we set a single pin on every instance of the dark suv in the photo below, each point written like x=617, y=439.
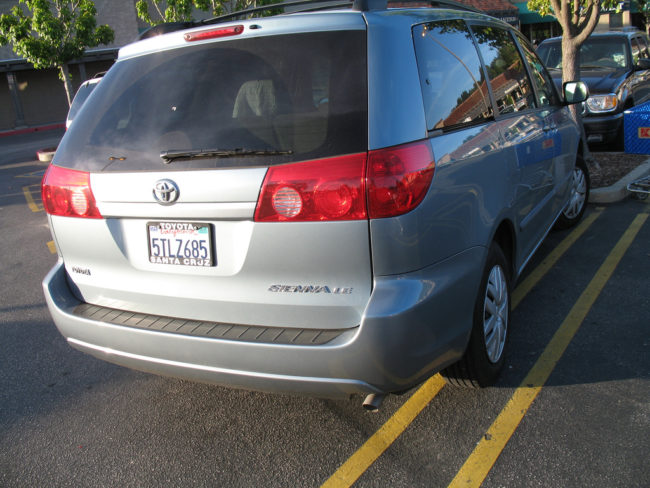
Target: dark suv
x=616, y=68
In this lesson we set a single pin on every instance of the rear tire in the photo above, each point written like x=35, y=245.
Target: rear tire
x=485, y=354
x=579, y=198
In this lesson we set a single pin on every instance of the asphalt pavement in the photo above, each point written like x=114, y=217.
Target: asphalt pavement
x=580, y=330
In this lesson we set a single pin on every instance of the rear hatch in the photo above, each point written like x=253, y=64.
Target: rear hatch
x=180, y=144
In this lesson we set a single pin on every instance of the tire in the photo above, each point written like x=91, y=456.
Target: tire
x=485, y=354
x=579, y=198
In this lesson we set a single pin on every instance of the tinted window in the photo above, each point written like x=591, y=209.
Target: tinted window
x=543, y=83
x=643, y=46
x=595, y=53
x=510, y=86
x=636, y=51
x=79, y=99
x=453, y=86
x=551, y=54
x=304, y=94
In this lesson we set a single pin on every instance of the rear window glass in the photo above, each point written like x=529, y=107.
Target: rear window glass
x=453, y=86
x=510, y=85
x=302, y=95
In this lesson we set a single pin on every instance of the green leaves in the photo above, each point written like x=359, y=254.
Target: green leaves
x=50, y=34
x=56, y=32
x=175, y=11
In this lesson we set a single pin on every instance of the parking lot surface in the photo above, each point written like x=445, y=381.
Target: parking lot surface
x=572, y=409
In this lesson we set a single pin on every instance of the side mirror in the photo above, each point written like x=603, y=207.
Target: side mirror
x=575, y=92
x=641, y=64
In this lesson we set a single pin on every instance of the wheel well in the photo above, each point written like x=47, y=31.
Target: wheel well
x=505, y=238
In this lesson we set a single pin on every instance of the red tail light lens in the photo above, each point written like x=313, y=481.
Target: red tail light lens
x=214, y=33
x=326, y=189
x=67, y=193
x=398, y=178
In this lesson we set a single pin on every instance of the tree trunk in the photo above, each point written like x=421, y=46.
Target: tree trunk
x=571, y=72
x=64, y=74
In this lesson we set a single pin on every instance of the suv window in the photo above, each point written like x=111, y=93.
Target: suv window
x=636, y=50
x=453, y=85
x=643, y=46
x=303, y=93
x=510, y=85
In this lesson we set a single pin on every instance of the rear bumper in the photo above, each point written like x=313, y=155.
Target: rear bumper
x=413, y=326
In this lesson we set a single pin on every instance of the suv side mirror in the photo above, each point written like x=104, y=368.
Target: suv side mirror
x=575, y=92
x=642, y=64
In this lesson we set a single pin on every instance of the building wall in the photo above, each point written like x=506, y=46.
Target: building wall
x=7, y=113
x=39, y=93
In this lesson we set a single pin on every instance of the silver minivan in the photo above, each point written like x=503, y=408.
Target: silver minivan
x=331, y=203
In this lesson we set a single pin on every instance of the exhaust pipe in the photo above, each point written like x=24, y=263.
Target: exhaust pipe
x=373, y=401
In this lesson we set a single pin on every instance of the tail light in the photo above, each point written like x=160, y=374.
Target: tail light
x=398, y=178
x=382, y=183
x=67, y=193
x=325, y=189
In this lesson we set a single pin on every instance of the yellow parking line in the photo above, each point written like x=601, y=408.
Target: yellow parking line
x=51, y=247
x=480, y=462
x=381, y=440
x=30, y=200
x=370, y=451
x=549, y=261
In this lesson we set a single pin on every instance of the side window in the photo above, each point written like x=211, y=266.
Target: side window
x=543, y=83
x=506, y=71
x=636, y=50
x=644, y=47
x=454, y=90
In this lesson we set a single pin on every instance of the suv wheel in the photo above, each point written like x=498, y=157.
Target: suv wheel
x=577, y=205
x=484, y=357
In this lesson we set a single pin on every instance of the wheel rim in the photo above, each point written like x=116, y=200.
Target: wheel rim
x=495, y=314
x=578, y=194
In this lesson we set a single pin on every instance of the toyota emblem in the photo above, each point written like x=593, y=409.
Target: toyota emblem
x=165, y=192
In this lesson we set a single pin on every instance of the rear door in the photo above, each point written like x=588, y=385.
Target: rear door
x=178, y=144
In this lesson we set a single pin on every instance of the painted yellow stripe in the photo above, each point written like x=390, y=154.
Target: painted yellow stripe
x=367, y=454
x=30, y=200
x=480, y=462
x=51, y=247
x=549, y=261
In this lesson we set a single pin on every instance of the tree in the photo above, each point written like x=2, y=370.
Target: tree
x=181, y=10
x=643, y=6
x=166, y=10
x=578, y=19
x=50, y=39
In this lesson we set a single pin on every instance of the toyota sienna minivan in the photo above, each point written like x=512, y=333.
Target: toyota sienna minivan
x=331, y=202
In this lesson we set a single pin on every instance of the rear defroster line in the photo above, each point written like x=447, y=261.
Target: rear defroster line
x=374, y=447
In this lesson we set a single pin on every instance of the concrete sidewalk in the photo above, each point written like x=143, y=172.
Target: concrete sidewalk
x=618, y=191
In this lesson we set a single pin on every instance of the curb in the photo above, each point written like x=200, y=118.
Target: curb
x=27, y=130
x=618, y=191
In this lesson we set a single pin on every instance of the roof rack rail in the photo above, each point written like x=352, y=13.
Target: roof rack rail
x=313, y=6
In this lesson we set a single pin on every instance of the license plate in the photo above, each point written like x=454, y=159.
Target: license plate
x=180, y=243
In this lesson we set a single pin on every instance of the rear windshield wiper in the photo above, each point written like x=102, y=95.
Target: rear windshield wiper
x=173, y=155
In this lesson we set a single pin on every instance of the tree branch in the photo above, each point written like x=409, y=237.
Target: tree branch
x=589, y=24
